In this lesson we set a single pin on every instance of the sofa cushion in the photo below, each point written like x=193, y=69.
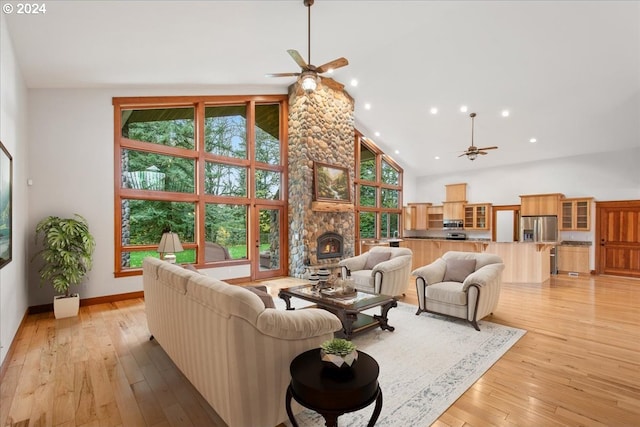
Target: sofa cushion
x=458, y=269
x=376, y=258
x=262, y=292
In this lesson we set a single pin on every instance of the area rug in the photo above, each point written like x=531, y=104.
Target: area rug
x=425, y=365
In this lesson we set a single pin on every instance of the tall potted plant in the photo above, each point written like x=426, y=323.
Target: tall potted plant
x=68, y=256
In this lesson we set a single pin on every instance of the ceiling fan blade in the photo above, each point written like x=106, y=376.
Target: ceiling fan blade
x=282, y=74
x=336, y=63
x=329, y=82
x=488, y=148
x=299, y=59
x=482, y=152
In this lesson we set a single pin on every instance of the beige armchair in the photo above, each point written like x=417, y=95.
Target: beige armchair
x=460, y=284
x=381, y=270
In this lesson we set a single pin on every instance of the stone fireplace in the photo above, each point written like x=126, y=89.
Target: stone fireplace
x=321, y=129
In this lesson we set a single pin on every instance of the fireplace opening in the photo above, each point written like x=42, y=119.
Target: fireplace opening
x=330, y=245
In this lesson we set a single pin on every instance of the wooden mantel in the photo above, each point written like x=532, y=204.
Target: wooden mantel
x=331, y=207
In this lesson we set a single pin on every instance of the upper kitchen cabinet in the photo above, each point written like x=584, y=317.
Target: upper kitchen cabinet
x=477, y=216
x=453, y=210
x=540, y=204
x=456, y=193
x=416, y=216
x=576, y=214
x=435, y=216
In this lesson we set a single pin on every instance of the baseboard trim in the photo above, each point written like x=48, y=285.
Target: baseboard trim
x=89, y=301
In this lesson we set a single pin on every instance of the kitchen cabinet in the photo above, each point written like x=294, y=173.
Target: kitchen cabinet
x=456, y=193
x=416, y=216
x=453, y=210
x=575, y=214
x=435, y=216
x=540, y=204
x=573, y=259
x=477, y=216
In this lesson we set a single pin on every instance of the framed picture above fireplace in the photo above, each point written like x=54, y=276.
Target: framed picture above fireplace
x=331, y=183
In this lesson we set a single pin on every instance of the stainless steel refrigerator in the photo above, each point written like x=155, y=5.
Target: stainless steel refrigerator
x=539, y=228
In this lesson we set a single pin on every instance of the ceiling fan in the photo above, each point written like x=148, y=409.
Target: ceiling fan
x=473, y=151
x=310, y=74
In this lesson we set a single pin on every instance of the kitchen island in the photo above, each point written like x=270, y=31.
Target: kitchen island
x=524, y=262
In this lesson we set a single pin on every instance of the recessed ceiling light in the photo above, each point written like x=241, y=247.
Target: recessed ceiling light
x=397, y=151
x=532, y=140
x=367, y=106
x=354, y=82
x=437, y=157
x=434, y=110
x=505, y=113
x=377, y=134
x=330, y=71
x=463, y=109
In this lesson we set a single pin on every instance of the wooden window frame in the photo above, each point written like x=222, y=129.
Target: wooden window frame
x=360, y=139
x=198, y=154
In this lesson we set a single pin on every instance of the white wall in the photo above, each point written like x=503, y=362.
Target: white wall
x=13, y=134
x=605, y=176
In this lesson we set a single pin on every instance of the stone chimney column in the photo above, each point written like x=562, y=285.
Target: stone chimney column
x=321, y=129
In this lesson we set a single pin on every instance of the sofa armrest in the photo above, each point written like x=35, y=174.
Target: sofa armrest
x=432, y=273
x=297, y=324
x=485, y=276
x=355, y=263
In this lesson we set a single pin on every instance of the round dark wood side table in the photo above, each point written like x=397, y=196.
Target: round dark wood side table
x=332, y=392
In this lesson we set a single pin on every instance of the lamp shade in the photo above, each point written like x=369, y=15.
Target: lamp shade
x=170, y=243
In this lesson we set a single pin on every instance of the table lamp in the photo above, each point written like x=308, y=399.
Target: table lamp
x=169, y=244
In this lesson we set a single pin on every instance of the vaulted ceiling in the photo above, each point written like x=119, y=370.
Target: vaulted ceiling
x=567, y=71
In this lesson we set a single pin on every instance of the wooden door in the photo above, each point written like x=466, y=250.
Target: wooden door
x=618, y=238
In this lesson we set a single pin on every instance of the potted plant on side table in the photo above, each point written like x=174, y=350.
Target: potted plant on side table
x=68, y=256
x=338, y=353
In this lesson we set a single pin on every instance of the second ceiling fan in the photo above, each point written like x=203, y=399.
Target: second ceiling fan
x=473, y=151
x=309, y=73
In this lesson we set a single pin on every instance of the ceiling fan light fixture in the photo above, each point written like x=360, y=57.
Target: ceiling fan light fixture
x=309, y=82
x=472, y=156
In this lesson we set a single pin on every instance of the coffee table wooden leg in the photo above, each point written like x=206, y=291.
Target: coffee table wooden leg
x=287, y=300
x=288, y=407
x=376, y=411
x=382, y=319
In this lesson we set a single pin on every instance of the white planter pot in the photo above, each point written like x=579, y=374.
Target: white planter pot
x=66, y=306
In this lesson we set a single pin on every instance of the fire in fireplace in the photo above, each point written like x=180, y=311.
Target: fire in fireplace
x=330, y=245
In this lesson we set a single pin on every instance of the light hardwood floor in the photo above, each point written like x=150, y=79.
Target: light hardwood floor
x=578, y=364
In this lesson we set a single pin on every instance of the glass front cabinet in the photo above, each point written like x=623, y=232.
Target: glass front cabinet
x=477, y=216
x=575, y=214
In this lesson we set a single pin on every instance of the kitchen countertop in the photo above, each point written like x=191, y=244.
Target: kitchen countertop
x=575, y=243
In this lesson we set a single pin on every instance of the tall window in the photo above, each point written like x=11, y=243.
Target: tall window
x=195, y=166
x=379, y=190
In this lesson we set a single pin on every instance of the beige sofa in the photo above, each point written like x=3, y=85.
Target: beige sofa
x=388, y=275
x=232, y=349
x=460, y=284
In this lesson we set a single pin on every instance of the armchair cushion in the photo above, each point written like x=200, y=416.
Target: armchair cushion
x=376, y=258
x=458, y=269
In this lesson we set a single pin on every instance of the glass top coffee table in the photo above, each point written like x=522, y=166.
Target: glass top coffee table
x=348, y=307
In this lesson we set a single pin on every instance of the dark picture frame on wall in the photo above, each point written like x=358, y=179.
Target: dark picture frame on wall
x=331, y=183
x=6, y=191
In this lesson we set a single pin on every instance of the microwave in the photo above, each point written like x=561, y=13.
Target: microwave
x=449, y=224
